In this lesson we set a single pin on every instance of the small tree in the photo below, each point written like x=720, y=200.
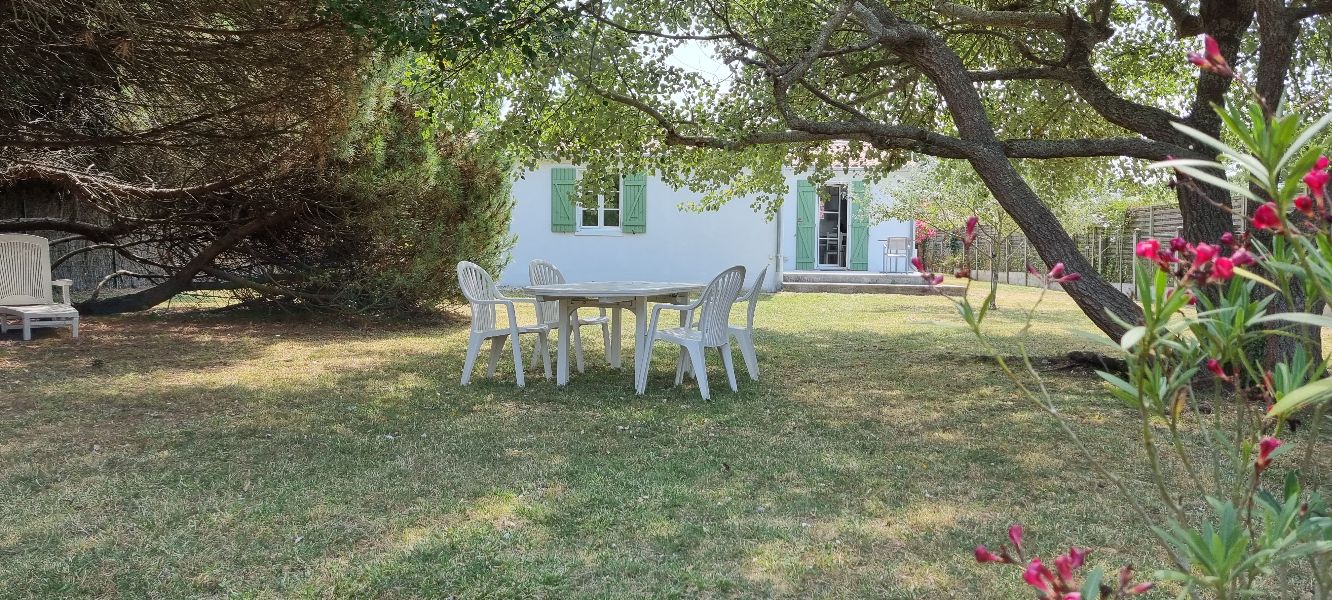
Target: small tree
x=1233, y=526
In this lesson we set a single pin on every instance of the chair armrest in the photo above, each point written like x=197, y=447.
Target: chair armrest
x=507, y=303
x=745, y=297
x=656, y=308
x=64, y=285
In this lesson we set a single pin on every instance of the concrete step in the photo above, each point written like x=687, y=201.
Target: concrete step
x=914, y=289
x=849, y=277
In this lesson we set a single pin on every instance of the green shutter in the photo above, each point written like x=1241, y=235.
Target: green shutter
x=633, y=218
x=806, y=202
x=563, y=180
x=859, y=241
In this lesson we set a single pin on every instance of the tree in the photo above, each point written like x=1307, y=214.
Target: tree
x=979, y=82
x=254, y=147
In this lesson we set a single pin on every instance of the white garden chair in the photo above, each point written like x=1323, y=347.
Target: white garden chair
x=745, y=335
x=545, y=273
x=712, y=330
x=479, y=289
x=26, y=288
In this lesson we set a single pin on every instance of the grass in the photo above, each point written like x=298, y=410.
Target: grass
x=185, y=455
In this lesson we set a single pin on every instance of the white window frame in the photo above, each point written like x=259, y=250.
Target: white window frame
x=600, y=228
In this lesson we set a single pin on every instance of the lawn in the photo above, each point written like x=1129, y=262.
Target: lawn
x=191, y=455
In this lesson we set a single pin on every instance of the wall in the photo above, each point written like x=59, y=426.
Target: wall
x=678, y=245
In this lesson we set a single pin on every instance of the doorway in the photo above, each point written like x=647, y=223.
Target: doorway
x=834, y=211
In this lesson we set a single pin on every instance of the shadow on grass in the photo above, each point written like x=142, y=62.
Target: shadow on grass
x=865, y=463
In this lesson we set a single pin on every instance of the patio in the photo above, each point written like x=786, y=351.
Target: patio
x=173, y=456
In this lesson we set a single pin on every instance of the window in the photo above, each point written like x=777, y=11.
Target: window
x=599, y=203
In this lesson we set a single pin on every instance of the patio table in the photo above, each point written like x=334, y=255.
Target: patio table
x=634, y=295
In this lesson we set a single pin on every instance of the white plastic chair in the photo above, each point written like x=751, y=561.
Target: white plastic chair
x=896, y=250
x=545, y=273
x=745, y=335
x=479, y=289
x=712, y=330
x=26, y=289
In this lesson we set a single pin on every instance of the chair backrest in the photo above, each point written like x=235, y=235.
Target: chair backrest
x=542, y=272
x=898, y=244
x=753, y=297
x=714, y=307
x=25, y=270
x=476, y=285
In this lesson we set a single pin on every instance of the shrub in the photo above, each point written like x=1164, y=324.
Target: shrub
x=1247, y=519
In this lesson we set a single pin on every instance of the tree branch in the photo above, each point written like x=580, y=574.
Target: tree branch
x=1041, y=21
x=91, y=231
x=1186, y=23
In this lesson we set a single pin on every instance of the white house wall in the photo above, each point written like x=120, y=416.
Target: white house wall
x=679, y=245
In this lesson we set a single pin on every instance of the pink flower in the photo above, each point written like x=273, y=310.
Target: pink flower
x=1211, y=59
x=983, y=555
x=1223, y=268
x=1228, y=239
x=1038, y=576
x=1241, y=257
x=1148, y=248
x=1304, y=203
x=1266, y=447
x=1056, y=274
x=1064, y=567
x=1072, y=596
x=918, y=264
x=935, y=280
x=1141, y=588
x=1213, y=49
x=1077, y=557
x=1204, y=253
x=1015, y=535
x=1215, y=367
x=1265, y=217
x=971, y=229
x=1317, y=177
x=1179, y=245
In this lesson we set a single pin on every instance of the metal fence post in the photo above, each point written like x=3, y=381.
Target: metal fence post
x=1026, y=261
x=1137, y=235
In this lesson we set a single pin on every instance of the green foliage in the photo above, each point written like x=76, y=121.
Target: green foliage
x=1253, y=534
x=416, y=201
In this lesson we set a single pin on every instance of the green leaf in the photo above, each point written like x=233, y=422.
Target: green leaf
x=1309, y=393
x=1295, y=317
x=1303, y=139
x=1091, y=589
x=1132, y=337
x=1250, y=275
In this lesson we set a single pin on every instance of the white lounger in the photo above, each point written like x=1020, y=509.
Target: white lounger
x=26, y=298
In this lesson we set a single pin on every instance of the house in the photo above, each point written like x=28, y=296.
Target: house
x=633, y=227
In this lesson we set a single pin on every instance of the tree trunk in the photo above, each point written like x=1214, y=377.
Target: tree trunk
x=932, y=56
x=1097, y=298
x=137, y=301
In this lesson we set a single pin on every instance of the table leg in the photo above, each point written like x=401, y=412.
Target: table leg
x=616, y=328
x=640, y=344
x=562, y=353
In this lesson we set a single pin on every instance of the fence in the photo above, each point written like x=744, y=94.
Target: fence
x=1110, y=249
x=88, y=265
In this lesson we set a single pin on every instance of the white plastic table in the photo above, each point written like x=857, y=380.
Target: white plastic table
x=632, y=294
